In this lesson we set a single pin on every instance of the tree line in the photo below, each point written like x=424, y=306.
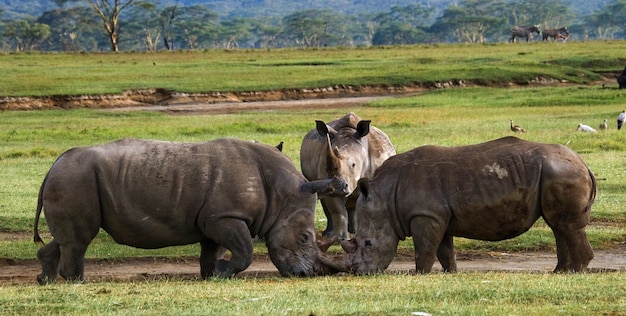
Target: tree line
x=141, y=25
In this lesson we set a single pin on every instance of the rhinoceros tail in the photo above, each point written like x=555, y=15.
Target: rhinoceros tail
x=594, y=190
x=36, y=238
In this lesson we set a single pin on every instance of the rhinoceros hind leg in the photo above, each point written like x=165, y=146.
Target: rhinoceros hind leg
x=447, y=254
x=573, y=251
x=72, y=263
x=210, y=253
x=49, y=256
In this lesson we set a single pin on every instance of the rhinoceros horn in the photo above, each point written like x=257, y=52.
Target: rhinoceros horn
x=330, y=264
x=333, y=162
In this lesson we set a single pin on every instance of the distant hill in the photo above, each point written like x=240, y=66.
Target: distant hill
x=13, y=9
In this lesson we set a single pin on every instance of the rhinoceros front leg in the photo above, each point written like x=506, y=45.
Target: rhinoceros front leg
x=231, y=234
x=428, y=233
x=210, y=253
x=337, y=217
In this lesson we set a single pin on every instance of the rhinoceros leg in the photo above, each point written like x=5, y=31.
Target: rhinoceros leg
x=446, y=254
x=49, y=256
x=573, y=250
x=210, y=253
x=428, y=233
x=337, y=217
x=234, y=235
x=72, y=263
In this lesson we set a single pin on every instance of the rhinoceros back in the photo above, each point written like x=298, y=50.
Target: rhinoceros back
x=507, y=184
x=149, y=194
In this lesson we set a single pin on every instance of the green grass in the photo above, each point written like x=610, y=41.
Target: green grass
x=43, y=74
x=436, y=294
x=31, y=141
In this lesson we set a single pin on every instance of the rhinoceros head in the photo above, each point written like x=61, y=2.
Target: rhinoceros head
x=375, y=243
x=292, y=243
x=294, y=249
x=348, y=156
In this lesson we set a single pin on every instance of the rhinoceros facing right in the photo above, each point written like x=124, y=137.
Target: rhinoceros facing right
x=152, y=194
x=491, y=191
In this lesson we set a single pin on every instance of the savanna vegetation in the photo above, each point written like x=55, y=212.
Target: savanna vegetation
x=503, y=87
x=150, y=25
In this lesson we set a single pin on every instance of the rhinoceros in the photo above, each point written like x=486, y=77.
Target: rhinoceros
x=347, y=148
x=154, y=194
x=491, y=191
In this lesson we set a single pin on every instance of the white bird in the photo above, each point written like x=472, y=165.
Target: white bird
x=604, y=124
x=585, y=128
x=517, y=128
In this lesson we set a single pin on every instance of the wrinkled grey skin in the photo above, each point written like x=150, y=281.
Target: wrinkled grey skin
x=491, y=191
x=356, y=149
x=151, y=194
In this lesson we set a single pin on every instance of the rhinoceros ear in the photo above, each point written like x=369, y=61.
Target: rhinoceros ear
x=363, y=186
x=324, y=130
x=362, y=129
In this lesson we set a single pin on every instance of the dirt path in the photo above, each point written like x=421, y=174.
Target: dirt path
x=233, y=107
x=146, y=269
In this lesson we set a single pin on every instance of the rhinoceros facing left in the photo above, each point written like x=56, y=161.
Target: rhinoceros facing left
x=490, y=191
x=151, y=194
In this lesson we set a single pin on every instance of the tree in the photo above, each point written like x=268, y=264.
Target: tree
x=233, y=31
x=546, y=13
x=109, y=11
x=72, y=29
x=26, y=36
x=472, y=21
x=402, y=25
x=195, y=26
x=309, y=27
x=615, y=14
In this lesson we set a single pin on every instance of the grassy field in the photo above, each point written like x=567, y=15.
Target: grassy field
x=30, y=141
x=41, y=74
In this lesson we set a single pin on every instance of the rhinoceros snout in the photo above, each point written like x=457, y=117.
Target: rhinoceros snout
x=340, y=187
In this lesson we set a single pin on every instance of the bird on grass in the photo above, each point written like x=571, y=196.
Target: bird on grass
x=585, y=128
x=604, y=124
x=517, y=128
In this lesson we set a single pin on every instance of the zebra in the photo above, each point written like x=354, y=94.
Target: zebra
x=526, y=32
x=560, y=33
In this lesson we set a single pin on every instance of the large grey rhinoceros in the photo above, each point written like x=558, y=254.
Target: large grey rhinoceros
x=491, y=191
x=153, y=194
x=347, y=148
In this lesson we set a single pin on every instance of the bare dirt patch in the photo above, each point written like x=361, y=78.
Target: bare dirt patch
x=23, y=272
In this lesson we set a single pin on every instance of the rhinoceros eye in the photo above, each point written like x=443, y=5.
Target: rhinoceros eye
x=367, y=243
x=304, y=237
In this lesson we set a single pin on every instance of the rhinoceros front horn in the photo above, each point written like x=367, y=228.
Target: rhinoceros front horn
x=333, y=162
x=324, y=243
x=330, y=264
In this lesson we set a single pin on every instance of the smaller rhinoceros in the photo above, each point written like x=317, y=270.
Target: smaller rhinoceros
x=491, y=191
x=348, y=148
x=153, y=194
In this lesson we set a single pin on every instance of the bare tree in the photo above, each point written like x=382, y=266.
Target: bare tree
x=109, y=11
